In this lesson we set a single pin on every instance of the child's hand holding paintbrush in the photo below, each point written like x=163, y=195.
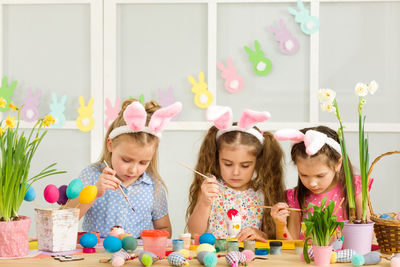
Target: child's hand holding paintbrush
x=107, y=180
x=209, y=186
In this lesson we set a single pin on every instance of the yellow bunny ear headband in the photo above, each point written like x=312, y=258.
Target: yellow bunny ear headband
x=222, y=118
x=135, y=117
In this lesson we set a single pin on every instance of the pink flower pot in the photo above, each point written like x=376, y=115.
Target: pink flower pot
x=322, y=255
x=14, y=237
x=358, y=237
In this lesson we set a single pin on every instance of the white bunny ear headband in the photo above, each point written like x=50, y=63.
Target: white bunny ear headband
x=313, y=140
x=135, y=117
x=222, y=119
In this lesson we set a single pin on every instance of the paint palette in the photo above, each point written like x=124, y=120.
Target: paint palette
x=63, y=258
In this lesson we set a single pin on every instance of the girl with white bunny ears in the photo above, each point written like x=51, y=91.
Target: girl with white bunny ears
x=130, y=151
x=318, y=158
x=248, y=167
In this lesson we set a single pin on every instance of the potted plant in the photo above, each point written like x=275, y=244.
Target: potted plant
x=17, y=151
x=353, y=227
x=320, y=224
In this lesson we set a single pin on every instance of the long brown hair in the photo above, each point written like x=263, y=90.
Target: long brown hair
x=140, y=138
x=332, y=156
x=268, y=169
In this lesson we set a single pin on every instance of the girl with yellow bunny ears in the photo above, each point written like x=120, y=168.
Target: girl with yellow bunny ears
x=130, y=151
x=248, y=167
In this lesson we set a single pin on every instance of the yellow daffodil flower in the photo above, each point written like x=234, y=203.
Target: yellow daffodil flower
x=3, y=102
x=48, y=119
x=12, y=106
x=10, y=122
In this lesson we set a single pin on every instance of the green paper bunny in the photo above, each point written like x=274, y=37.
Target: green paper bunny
x=262, y=65
x=7, y=92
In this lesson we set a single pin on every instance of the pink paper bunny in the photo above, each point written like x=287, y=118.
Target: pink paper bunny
x=233, y=82
x=167, y=99
x=288, y=43
x=111, y=111
x=30, y=108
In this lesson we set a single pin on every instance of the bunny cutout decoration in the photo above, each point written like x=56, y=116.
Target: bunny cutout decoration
x=233, y=82
x=288, y=43
x=85, y=121
x=29, y=111
x=135, y=117
x=308, y=24
x=261, y=65
x=6, y=92
x=202, y=98
x=167, y=99
x=111, y=111
x=313, y=140
x=221, y=116
x=57, y=110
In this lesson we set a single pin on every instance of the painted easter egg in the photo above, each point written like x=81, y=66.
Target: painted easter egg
x=205, y=247
x=207, y=238
x=397, y=216
x=129, y=243
x=30, y=195
x=88, y=194
x=117, y=231
x=88, y=240
x=62, y=198
x=51, y=193
x=112, y=244
x=386, y=216
x=74, y=188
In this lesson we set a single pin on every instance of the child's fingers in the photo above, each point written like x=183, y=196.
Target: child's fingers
x=110, y=185
x=109, y=171
x=112, y=178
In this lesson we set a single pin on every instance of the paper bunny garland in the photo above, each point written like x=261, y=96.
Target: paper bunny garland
x=29, y=111
x=135, y=117
x=222, y=118
x=288, y=43
x=313, y=140
x=233, y=82
x=308, y=24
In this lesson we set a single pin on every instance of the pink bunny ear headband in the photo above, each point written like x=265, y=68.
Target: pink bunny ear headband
x=135, y=117
x=222, y=119
x=313, y=140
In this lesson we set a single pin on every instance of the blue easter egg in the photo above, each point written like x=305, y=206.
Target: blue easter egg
x=112, y=244
x=88, y=240
x=74, y=188
x=386, y=216
x=207, y=238
x=30, y=195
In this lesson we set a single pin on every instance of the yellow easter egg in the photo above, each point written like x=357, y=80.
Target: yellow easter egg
x=88, y=194
x=185, y=253
x=205, y=247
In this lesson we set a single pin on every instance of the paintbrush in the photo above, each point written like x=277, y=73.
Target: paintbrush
x=122, y=191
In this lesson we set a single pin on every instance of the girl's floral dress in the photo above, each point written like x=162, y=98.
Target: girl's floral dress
x=242, y=201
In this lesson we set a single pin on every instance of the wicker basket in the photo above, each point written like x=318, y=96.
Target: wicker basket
x=387, y=231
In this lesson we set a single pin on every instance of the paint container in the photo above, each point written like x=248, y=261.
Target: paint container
x=298, y=246
x=177, y=244
x=196, y=239
x=220, y=245
x=155, y=241
x=187, y=241
x=275, y=247
x=249, y=245
x=232, y=245
x=57, y=230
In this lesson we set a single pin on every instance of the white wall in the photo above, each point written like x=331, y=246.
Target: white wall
x=156, y=44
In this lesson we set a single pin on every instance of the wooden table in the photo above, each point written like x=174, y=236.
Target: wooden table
x=288, y=258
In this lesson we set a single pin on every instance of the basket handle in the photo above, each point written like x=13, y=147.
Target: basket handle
x=369, y=173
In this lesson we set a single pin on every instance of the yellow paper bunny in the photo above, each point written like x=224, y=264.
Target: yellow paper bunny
x=85, y=121
x=202, y=98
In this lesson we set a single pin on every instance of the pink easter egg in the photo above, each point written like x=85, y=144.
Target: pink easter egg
x=51, y=193
x=397, y=216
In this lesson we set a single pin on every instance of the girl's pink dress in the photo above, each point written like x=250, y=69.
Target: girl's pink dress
x=334, y=194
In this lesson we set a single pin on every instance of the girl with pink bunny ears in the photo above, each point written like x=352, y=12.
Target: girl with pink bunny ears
x=130, y=151
x=318, y=158
x=245, y=168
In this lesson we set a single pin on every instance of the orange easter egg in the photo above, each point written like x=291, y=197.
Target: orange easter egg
x=88, y=194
